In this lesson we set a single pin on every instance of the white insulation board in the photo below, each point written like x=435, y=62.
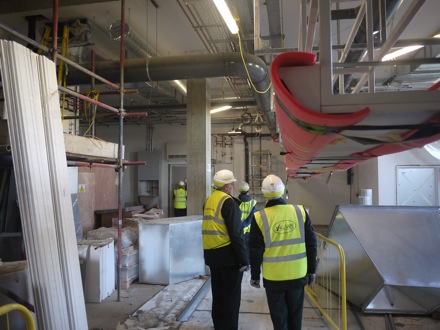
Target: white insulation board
x=35, y=129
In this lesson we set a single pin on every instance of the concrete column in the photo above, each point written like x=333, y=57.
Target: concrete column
x=198, y=139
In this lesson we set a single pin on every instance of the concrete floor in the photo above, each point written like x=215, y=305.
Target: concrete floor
x=143, y=307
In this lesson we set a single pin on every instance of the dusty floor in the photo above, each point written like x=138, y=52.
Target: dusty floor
x=143, y=307
x=107, y=314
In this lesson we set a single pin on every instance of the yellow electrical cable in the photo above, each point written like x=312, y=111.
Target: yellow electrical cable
x=247, y=71
x=94, y=139
x=95, y=97
x=64, y=94
x=61, y=78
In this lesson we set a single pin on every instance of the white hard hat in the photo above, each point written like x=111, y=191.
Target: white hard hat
x=223, y=177
x=244, y=187
x=272, y=187
x=181, y=183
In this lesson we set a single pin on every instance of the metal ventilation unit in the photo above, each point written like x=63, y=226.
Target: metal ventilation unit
x=391, y=257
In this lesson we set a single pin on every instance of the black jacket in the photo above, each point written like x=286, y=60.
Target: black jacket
x=256, y=244
x=234, y=254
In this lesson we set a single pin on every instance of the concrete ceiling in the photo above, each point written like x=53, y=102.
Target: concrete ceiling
x=165, y=28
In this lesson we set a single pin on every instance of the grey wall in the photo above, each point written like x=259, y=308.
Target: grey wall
x=388, y=175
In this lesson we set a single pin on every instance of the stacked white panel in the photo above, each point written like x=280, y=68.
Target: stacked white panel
x=42, y=194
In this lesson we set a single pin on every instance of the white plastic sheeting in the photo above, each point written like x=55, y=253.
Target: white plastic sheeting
x=35, y=129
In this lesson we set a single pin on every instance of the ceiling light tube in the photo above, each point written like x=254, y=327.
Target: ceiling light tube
x=223, y=108
x=227, y=15
x=181, y=86
x=403, y=51
x=400, y=52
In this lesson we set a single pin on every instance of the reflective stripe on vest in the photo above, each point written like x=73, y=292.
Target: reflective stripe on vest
x=285, y=255
x=180, y=198
x=214, y=231
x=246, y=208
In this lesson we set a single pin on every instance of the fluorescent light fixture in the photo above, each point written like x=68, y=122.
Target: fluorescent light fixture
x=227, y=15
x=181, y=86
x=400, y=52
x=224, y=108
x=403, y=51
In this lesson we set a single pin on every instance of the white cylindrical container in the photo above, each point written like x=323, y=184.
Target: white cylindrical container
x=366, y=197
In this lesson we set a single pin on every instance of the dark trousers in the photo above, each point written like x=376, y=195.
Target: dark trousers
x=286, y=307
x=246, y=240
x=179, y=212
x=226, y=296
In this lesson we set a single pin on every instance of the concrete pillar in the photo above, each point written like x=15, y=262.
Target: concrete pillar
x=198, y=139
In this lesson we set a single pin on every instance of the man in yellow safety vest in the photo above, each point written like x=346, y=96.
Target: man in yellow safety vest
x=283, y=242
x=247, y=207
x=180, y=195
x=224, y=250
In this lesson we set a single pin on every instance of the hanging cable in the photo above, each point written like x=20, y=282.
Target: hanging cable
x=247, y=71
x=90, y=109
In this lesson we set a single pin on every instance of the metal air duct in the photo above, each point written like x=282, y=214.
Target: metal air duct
x=189, y=67
x=391, y=255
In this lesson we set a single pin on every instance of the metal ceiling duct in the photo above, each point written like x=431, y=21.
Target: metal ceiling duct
x=189, y=67
x=391, y=255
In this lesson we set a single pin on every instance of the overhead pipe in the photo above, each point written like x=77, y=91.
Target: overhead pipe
x=189, y=67
x=106, y=115
x=91, y=164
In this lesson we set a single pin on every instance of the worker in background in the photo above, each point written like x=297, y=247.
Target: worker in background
x=180, y=195
x=283, y=242
x=225, y=250
x=248, y=208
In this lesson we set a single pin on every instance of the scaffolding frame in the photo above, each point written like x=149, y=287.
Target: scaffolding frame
x=119, y=167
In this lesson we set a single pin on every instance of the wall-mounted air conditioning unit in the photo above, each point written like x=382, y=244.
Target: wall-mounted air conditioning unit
x=176, y=151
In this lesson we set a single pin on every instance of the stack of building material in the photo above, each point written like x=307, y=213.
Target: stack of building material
x=33, y=111
x=129, y=266
x=98, y=268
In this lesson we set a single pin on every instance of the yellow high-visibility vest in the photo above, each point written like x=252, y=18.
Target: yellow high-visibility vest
x=214, y=231
x=246, y=208
x=180, y=198
x=285, y=255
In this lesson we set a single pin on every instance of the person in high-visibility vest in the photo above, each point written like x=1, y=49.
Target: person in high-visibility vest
x=180, y=195
x=224, y=250
x=248, y=208
x=283, y=243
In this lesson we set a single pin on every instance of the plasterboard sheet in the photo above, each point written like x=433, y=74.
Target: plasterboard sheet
x=60, y=186
x=28, y=88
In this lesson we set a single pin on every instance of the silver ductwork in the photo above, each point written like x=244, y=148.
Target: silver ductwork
x=188, y=67
x=391, y=255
